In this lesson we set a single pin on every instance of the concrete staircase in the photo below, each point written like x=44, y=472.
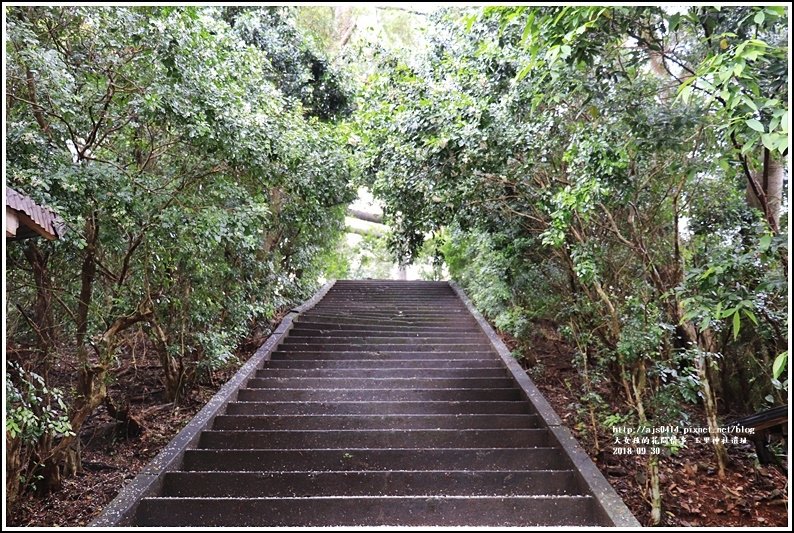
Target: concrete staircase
x=385, y=404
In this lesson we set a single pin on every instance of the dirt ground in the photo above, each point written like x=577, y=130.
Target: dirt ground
x=693, y=495
x=107, y=463
x=110, y=459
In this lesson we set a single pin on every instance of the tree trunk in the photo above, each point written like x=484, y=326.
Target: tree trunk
x=91, y=387
x=710, y=405
x=42, y=309
x=345, y=25
x=172, y=369
x=656, y=493
x=638, y=382
x=128, y=425
x=704, y=344
x=90, y=391
x=770, y=181
x=365, y=216
x=15, y=464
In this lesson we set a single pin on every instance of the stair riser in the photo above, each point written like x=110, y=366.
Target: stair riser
x=487, y=363
x=528, y=511
x=364, y=347
x=390, y=373
x=375, y=408
x=385, y=304
x=358, y=459
x=301, y=325
x=392, y=317
x=452, y=323
x=341, y=395
x=441, y=311
x=382, y=306
x=377, y=383
x=279, y=440
x=393, y=339
x=293, y=354
x=286, y=484
x=360, y=334
x=330, y=422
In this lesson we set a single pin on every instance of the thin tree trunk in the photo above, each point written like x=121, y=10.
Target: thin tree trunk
x=42, y=309
x=15, y=464
x=656, y=493
x=711, y=413
x=770, y=181
x=638, y=381
x=345, y=25
x=172, y=370
x=704, y=344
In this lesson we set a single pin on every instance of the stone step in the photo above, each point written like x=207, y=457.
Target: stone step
x=378, y=303
x=300, y=332
x=390, y=373
x=458, y=322
x=290, y=353
x=308, y=325
x=441, y=309
x=378, y=383
x=365, y=341
x=369, y=511
x=369, y=459
x=389, y=345
x=369, y=438
x=375, y=284
x=382, y=395
x=402, y=421
x=394, y=316
x=376, y=408
x=356, y=483
x=386, y=364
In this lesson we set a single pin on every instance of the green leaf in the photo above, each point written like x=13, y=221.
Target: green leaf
x=780, y=364
x=737, y=324
x=770, y=141
x=765, y=242
x=748, y=147
x=754, y=124
x=728, y=312
x=689, y=315
x=749, y=314
x=528, y=28
x=523, y=72
x=759, y=17
x=469, y=21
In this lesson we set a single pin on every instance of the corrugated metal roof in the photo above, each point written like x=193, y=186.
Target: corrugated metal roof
x=46, y=219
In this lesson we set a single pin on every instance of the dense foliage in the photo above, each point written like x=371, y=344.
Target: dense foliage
x=616, y=171
x=200, y=186
x=297, y=67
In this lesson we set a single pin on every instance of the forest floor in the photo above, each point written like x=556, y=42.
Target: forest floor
x=693, y=495
x=109, y=459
